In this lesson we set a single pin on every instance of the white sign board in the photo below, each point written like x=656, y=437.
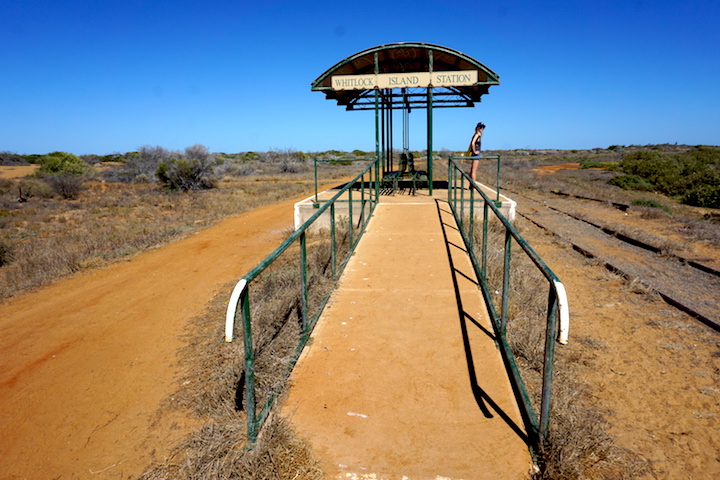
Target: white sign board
x=404, y=80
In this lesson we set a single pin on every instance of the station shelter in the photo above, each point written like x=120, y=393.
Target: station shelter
x=405, y=76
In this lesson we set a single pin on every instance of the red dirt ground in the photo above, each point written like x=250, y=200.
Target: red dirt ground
x=86, y=362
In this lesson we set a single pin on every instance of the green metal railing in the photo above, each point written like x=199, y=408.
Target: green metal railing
x=296, y=244
x=374, y=178
x=463, y=194
x=486, y=157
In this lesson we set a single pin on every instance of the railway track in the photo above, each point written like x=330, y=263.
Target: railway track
x=687, y=284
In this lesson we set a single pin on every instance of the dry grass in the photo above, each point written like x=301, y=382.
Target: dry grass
x=213, y=376
x=212, y=386
x=518, y=173
x=47, y=237
x=578, y=445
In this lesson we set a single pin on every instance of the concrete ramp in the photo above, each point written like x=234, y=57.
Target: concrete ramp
x=402, y=379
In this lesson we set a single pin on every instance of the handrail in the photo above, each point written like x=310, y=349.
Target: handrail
x=240, y=293
x=232, y=309
x=558, y=317
x=486, y=157
x=330, y=160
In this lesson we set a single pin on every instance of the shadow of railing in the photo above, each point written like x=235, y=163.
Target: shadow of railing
x=496, y=278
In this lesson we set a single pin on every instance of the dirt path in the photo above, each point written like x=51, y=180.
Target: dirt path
x=85, y=363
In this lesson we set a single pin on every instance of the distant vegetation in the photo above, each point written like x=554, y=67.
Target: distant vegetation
x=693, y=177
x=64, y=172
x=77, y=212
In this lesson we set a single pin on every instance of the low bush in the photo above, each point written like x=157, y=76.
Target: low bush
x=703, y=196
x=631, y=182
x=588, y=163
x=641, y=202
x=33, y=187
x=7, y=252
x=693, y=176
x=67, y=186
x=181, y=174
x=141, y=166
x=193, y=170
x=6, y=185
x=7, y=158
x=62, y=163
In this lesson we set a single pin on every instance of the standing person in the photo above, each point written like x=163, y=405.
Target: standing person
x=475, y=147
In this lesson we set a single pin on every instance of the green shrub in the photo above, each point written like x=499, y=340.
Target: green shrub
x=631, y=182
x=588, y=163
x=662, y=171
x=692, y=176
x=641, y=202
x=192, y=171
x=33, y=187
x=62, y=163
x=700, y=182
x=248, y=156
x=703, y=196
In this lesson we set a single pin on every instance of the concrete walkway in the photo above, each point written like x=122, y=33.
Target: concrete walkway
x=403, y=379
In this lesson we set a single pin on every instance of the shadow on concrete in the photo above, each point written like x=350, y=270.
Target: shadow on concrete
x=484, y=401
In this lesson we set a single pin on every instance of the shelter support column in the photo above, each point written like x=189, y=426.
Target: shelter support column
x=429, y=139
x=377, y=142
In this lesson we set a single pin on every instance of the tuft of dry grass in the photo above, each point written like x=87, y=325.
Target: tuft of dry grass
x=211, y=388
x=216, y=452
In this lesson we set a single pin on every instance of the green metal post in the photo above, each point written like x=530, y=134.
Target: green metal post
x=450, y=184
x=455, y=187
x=249, y=369
x=362, y=200
x=506, y=281
x=333, y=245
x=377, y=137
x=462, y=202
x=303, y=270
x=548, y=366
x=316, y=181
x=485, y=241
x=431, y=66
x=472, y=219
x=497, y=191
x=350, y=215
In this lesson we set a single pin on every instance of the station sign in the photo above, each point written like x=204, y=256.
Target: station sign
x=459, y=78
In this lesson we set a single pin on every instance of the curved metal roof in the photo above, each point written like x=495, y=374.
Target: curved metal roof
x=407, y=57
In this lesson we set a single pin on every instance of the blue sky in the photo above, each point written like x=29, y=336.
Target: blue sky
x=106, y=76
